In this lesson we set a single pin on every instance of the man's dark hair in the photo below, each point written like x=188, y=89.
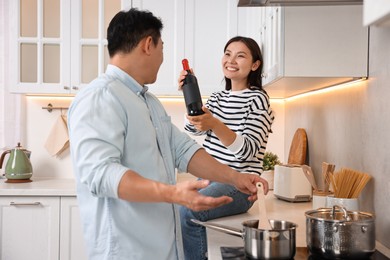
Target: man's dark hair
x=127, y=29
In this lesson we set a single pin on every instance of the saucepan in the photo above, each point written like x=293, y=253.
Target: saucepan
x=335, y=233
x=277, y=243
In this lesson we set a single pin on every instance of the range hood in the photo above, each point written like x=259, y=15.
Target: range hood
x=246, y=3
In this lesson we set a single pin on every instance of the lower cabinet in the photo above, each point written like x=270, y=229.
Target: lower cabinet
x=72, y=245
x=41, y=228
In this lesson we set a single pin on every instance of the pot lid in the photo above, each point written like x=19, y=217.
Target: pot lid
x=339, y=214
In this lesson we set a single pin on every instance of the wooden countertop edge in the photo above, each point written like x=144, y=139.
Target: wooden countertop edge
x=383, y=249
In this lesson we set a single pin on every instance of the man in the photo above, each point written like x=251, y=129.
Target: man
x=125, y=150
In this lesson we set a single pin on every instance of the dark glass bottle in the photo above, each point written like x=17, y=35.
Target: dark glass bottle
x=191, y=92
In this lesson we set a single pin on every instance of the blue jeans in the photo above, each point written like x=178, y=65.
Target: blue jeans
x=194, y=236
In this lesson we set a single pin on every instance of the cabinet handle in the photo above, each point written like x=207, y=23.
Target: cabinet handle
x=24, y=204
x=66, y=87
x=263, y=75
x=75, y=88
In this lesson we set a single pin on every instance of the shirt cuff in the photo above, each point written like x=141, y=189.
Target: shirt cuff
x=237, y=144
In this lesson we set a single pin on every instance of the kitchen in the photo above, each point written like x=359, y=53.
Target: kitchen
x=347, y=126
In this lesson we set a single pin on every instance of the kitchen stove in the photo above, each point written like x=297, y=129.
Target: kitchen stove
x=302, y=253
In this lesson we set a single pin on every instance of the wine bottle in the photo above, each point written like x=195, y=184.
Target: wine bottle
x=191, y=92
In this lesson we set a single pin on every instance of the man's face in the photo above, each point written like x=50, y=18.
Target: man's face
x=156, y=60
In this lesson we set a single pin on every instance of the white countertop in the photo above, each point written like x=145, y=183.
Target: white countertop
x=276, y=209
x=39, y=187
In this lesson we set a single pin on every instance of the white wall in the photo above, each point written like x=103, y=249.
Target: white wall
x=39, y=123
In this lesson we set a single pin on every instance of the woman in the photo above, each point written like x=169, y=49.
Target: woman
x=236, y=122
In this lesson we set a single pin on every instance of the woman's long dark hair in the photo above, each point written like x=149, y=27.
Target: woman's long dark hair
x=254, y=77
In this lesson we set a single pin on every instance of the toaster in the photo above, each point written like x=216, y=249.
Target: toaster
x=291, y=184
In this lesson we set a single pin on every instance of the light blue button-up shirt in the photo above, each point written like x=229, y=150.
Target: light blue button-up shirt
x=116, y=125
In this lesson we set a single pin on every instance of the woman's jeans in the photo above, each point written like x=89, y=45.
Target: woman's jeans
x=194, y=236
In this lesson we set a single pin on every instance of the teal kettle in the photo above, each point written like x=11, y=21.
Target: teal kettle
x=18, y=167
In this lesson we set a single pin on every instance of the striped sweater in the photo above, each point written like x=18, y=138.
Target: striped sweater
x=248, y=114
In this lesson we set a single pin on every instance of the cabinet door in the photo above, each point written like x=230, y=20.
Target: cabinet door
x=172, y=15
x=272, y=44
x=39, y=35
x=29, y=228
x=197, y=30
x=209, y=25
x=59, y=46
x=89, y=22
x=72, y=245
x=250, y=22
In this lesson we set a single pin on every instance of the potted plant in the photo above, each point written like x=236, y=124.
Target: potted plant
x=269, y=161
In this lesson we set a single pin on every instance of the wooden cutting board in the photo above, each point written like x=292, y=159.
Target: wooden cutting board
x=298, y=148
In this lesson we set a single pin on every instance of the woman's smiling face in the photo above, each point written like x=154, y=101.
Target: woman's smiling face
x=237, y=62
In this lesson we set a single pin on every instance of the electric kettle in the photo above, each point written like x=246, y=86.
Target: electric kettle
x=18, y=167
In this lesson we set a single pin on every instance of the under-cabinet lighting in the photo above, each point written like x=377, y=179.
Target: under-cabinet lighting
x=204, y=98
x=277, y=100
x=50, y=98
x=326, y=89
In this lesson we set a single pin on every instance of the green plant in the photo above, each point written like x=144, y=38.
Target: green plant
x=269, y=161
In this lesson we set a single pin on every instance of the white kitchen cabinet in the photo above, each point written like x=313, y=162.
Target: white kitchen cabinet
x=172, y=15
x=72, y=246
x=272, y=44
x=29, y=228
x=58, y=46
x=312, y=47
x=75, y=52
x=197, y=30
x=250, y=21
x=376, y=12
x=40, y=228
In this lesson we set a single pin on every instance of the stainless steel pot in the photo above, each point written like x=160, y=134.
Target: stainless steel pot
x=278, y=243
x=335, y=233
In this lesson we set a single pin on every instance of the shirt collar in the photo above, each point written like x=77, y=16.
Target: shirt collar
x=127, y=80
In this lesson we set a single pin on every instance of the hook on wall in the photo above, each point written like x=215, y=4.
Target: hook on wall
x=50, y=108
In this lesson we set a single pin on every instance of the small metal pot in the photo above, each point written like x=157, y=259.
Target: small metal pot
x=335, y=233
x=278, y=243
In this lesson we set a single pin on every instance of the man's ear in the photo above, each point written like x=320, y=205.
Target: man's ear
x=147, y=44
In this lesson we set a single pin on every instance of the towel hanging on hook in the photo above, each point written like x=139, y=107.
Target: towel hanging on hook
x=58, y=139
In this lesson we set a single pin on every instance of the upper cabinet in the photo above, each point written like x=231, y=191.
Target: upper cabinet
x=311, y=47
x=377, y=12
x=198, y=31
x=59, y=46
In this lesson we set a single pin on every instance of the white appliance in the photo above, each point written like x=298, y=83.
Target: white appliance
x=291, y=184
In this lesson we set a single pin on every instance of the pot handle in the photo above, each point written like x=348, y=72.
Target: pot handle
x=340, y=208
x=225, y=229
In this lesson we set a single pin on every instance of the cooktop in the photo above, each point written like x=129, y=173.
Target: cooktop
x=302, y=253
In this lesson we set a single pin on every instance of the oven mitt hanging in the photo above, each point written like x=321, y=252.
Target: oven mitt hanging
x=58, y=139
